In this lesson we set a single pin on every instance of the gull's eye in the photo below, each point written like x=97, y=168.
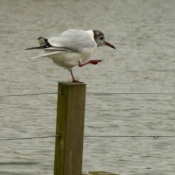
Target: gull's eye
x=101, y=37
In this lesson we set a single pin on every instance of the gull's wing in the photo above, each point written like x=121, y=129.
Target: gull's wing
x=71, y=40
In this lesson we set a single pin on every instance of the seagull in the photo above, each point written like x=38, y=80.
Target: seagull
x=72, y=48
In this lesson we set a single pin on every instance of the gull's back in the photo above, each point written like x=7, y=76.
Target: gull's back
x=73, y=39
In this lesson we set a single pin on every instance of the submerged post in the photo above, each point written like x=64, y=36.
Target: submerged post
x=70, y=125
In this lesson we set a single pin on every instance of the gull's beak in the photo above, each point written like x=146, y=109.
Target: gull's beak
x=110, y=45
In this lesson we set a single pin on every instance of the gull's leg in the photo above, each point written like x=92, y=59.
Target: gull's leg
x=73, y=79
x=89, y=62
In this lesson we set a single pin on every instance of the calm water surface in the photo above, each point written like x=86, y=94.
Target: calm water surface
x=143, y=32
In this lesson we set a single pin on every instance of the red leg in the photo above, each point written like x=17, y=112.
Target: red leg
x=89, y=62
x=73, y=79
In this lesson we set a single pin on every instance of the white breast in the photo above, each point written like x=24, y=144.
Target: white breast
x=70, y=59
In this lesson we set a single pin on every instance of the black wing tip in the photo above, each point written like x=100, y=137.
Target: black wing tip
x=29, y=48
x=34, y=48
x=43, y=46
x=41, y=37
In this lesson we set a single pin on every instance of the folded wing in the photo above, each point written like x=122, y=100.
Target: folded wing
x=72, y=40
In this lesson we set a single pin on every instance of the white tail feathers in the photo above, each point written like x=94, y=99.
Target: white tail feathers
x=45, y=55
x=39, y=56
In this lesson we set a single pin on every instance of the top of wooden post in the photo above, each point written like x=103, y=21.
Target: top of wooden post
x=71, y=83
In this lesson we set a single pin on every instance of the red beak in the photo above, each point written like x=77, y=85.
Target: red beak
x=110, y=45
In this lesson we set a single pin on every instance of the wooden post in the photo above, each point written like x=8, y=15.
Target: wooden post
x=70, y=125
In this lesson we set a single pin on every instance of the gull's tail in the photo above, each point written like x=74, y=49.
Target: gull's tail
x=43, y=42
x=46, y=54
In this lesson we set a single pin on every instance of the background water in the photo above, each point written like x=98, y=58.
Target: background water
x=143, y=32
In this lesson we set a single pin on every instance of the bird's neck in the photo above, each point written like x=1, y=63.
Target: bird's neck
x=91, y=34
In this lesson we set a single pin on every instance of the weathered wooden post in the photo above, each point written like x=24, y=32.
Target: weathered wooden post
x=70, y=125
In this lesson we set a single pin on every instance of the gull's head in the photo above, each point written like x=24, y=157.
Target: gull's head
x=100, y=39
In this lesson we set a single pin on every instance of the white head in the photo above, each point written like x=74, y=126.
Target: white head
x=100, y=39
